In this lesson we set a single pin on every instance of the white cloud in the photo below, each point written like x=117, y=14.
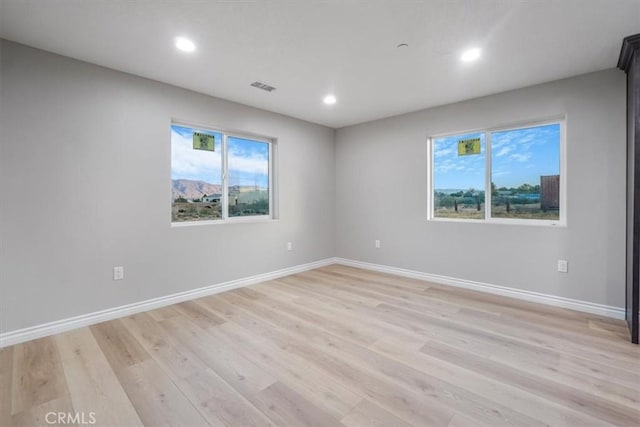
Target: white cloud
x=527, y=138
x=193, y=164
x=504, y=151
x=253, y=164
x=444, y=152
x=445, y=166
x=520, y=157
x=188, y=163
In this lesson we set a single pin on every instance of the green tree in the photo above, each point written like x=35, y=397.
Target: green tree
x=525, y=188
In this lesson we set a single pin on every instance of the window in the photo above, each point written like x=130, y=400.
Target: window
x=503, y=175
x=217, y=175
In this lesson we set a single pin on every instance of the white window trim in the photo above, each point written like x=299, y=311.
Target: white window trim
x=226, y=219
x=561, y=222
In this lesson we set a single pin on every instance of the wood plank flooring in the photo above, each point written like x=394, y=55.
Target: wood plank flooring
x=336, y=346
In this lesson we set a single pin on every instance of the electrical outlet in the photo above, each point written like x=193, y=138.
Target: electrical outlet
x=289, y=246
x=563, y=265
x=377, y=244
x=118, y=273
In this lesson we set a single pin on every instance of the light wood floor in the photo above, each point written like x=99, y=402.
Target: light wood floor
x=330, y=347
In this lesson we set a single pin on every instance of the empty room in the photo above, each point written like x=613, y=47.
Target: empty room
x=319, y=213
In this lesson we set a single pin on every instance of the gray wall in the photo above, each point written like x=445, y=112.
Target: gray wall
x=85, y=185
x=382, y=194
x=85, y=176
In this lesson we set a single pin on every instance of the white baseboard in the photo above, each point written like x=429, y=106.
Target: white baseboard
x=39, y=331
x=573, y=304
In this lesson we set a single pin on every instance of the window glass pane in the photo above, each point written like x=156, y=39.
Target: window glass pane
x=248, y=177
x=459, y=176
x=525, y=173
x=196, y=175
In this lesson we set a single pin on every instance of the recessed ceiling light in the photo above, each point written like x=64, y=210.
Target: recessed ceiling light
x=185, y=45
x=470, y=55
x=330, y=99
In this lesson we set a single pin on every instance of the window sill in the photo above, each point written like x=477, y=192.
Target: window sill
x=236, y=220
x=500, y=221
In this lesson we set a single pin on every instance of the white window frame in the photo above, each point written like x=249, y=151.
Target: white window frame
x=488, y=219
x=226, y=219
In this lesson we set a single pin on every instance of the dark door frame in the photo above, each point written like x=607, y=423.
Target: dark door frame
x=629, y=62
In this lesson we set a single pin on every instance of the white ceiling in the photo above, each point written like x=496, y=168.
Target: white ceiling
x=310, y=48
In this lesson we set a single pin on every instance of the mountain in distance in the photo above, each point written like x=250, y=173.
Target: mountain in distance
x=190, y=189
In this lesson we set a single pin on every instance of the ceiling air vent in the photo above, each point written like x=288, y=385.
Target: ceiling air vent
x=263, y=86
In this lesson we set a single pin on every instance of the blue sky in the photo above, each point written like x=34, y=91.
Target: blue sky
x=522, y=156
x=248, y=160
x=458, y=172
x=518, y=157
